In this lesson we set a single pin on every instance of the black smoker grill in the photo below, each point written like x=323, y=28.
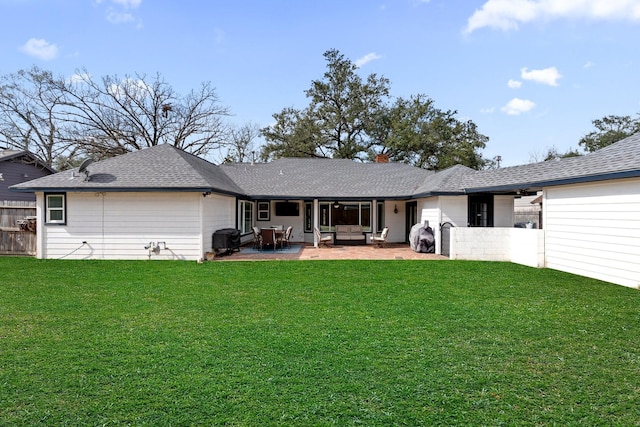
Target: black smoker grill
x=226, y=240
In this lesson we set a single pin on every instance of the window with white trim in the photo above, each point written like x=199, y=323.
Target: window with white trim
x=55, y=209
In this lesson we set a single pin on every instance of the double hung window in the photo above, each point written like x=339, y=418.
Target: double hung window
x=55, y=209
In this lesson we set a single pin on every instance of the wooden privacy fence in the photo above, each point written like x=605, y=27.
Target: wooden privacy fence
x=17, y=228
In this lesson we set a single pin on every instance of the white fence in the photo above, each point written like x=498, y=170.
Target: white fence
x=518, y=245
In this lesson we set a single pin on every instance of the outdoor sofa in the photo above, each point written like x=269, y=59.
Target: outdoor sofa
x=349, y=235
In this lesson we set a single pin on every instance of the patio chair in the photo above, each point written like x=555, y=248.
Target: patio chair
x=256, y=238
x=268, y=238
x=322, y=240
x=380, y=240
x=287, y=236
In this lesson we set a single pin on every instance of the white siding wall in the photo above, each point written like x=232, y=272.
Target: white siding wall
x=217, y=212
x=503, y=211
x=395, y=221
x=120, y=225
x=454, y=210
x=429, y=210
x=594, y=230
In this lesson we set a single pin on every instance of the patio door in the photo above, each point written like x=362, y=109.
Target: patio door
x=411, y=218
x=481, y=210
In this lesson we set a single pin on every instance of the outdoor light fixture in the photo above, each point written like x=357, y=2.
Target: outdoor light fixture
x=336, y=205
x=395, y=209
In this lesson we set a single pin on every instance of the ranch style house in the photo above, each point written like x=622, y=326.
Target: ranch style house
x=118, y=207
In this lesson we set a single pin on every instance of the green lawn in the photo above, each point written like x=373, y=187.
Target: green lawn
x=314, y=343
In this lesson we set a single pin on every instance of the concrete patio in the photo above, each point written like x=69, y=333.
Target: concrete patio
x=392, y=251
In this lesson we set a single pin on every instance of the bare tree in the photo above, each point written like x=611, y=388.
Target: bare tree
x=242, y=143
x=30, y=108
x=114, y=115
x=64, y=120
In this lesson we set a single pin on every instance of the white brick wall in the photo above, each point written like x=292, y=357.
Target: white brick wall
x=518, y=245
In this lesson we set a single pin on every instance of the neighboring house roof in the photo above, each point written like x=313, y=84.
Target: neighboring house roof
x=8, y=155
x=17, y=166
x=160, y=168
x=167, y=168
x=326, y=178
x=618, y=160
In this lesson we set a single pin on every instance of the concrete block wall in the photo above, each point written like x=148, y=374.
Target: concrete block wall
x=518, y=245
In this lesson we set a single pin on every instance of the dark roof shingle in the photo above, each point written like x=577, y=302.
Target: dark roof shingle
x=159, y=168
x=326, y=178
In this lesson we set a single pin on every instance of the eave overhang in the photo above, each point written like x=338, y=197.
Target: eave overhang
x=125, y=190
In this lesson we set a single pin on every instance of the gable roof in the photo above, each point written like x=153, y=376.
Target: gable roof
x=7, y=155
x=326, y=178
x=160, y=168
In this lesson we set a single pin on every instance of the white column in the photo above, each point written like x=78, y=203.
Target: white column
x=316, y=220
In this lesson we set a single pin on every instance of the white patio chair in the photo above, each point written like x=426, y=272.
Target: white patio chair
x=380, y=240
x=257, y=239
x=322, y=240
x=287, y=236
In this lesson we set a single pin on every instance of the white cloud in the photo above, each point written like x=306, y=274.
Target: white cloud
x=40, y=48
x=589, y=64
x=514, y=84
x=119, y=11
x=129, y=4
x=79, y=78
x=548, y=76
x=488, y=110
x=367, y=58
x=119, y=17
x=518, y=106
x=509, y=14
x=133, y=87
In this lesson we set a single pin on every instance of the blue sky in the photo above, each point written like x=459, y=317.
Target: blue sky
x=532, y=74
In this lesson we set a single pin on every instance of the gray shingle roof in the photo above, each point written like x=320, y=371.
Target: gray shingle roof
x=326, y=178
x=166, y=168
x=617, y=160
x=158, y=168
x=448, y=181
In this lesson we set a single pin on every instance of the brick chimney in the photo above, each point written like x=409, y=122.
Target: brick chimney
x=382, y=158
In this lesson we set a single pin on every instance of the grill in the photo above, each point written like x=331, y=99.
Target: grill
x=226, y=240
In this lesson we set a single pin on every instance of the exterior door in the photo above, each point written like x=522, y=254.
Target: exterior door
x=411, y=218
x=481, y=210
